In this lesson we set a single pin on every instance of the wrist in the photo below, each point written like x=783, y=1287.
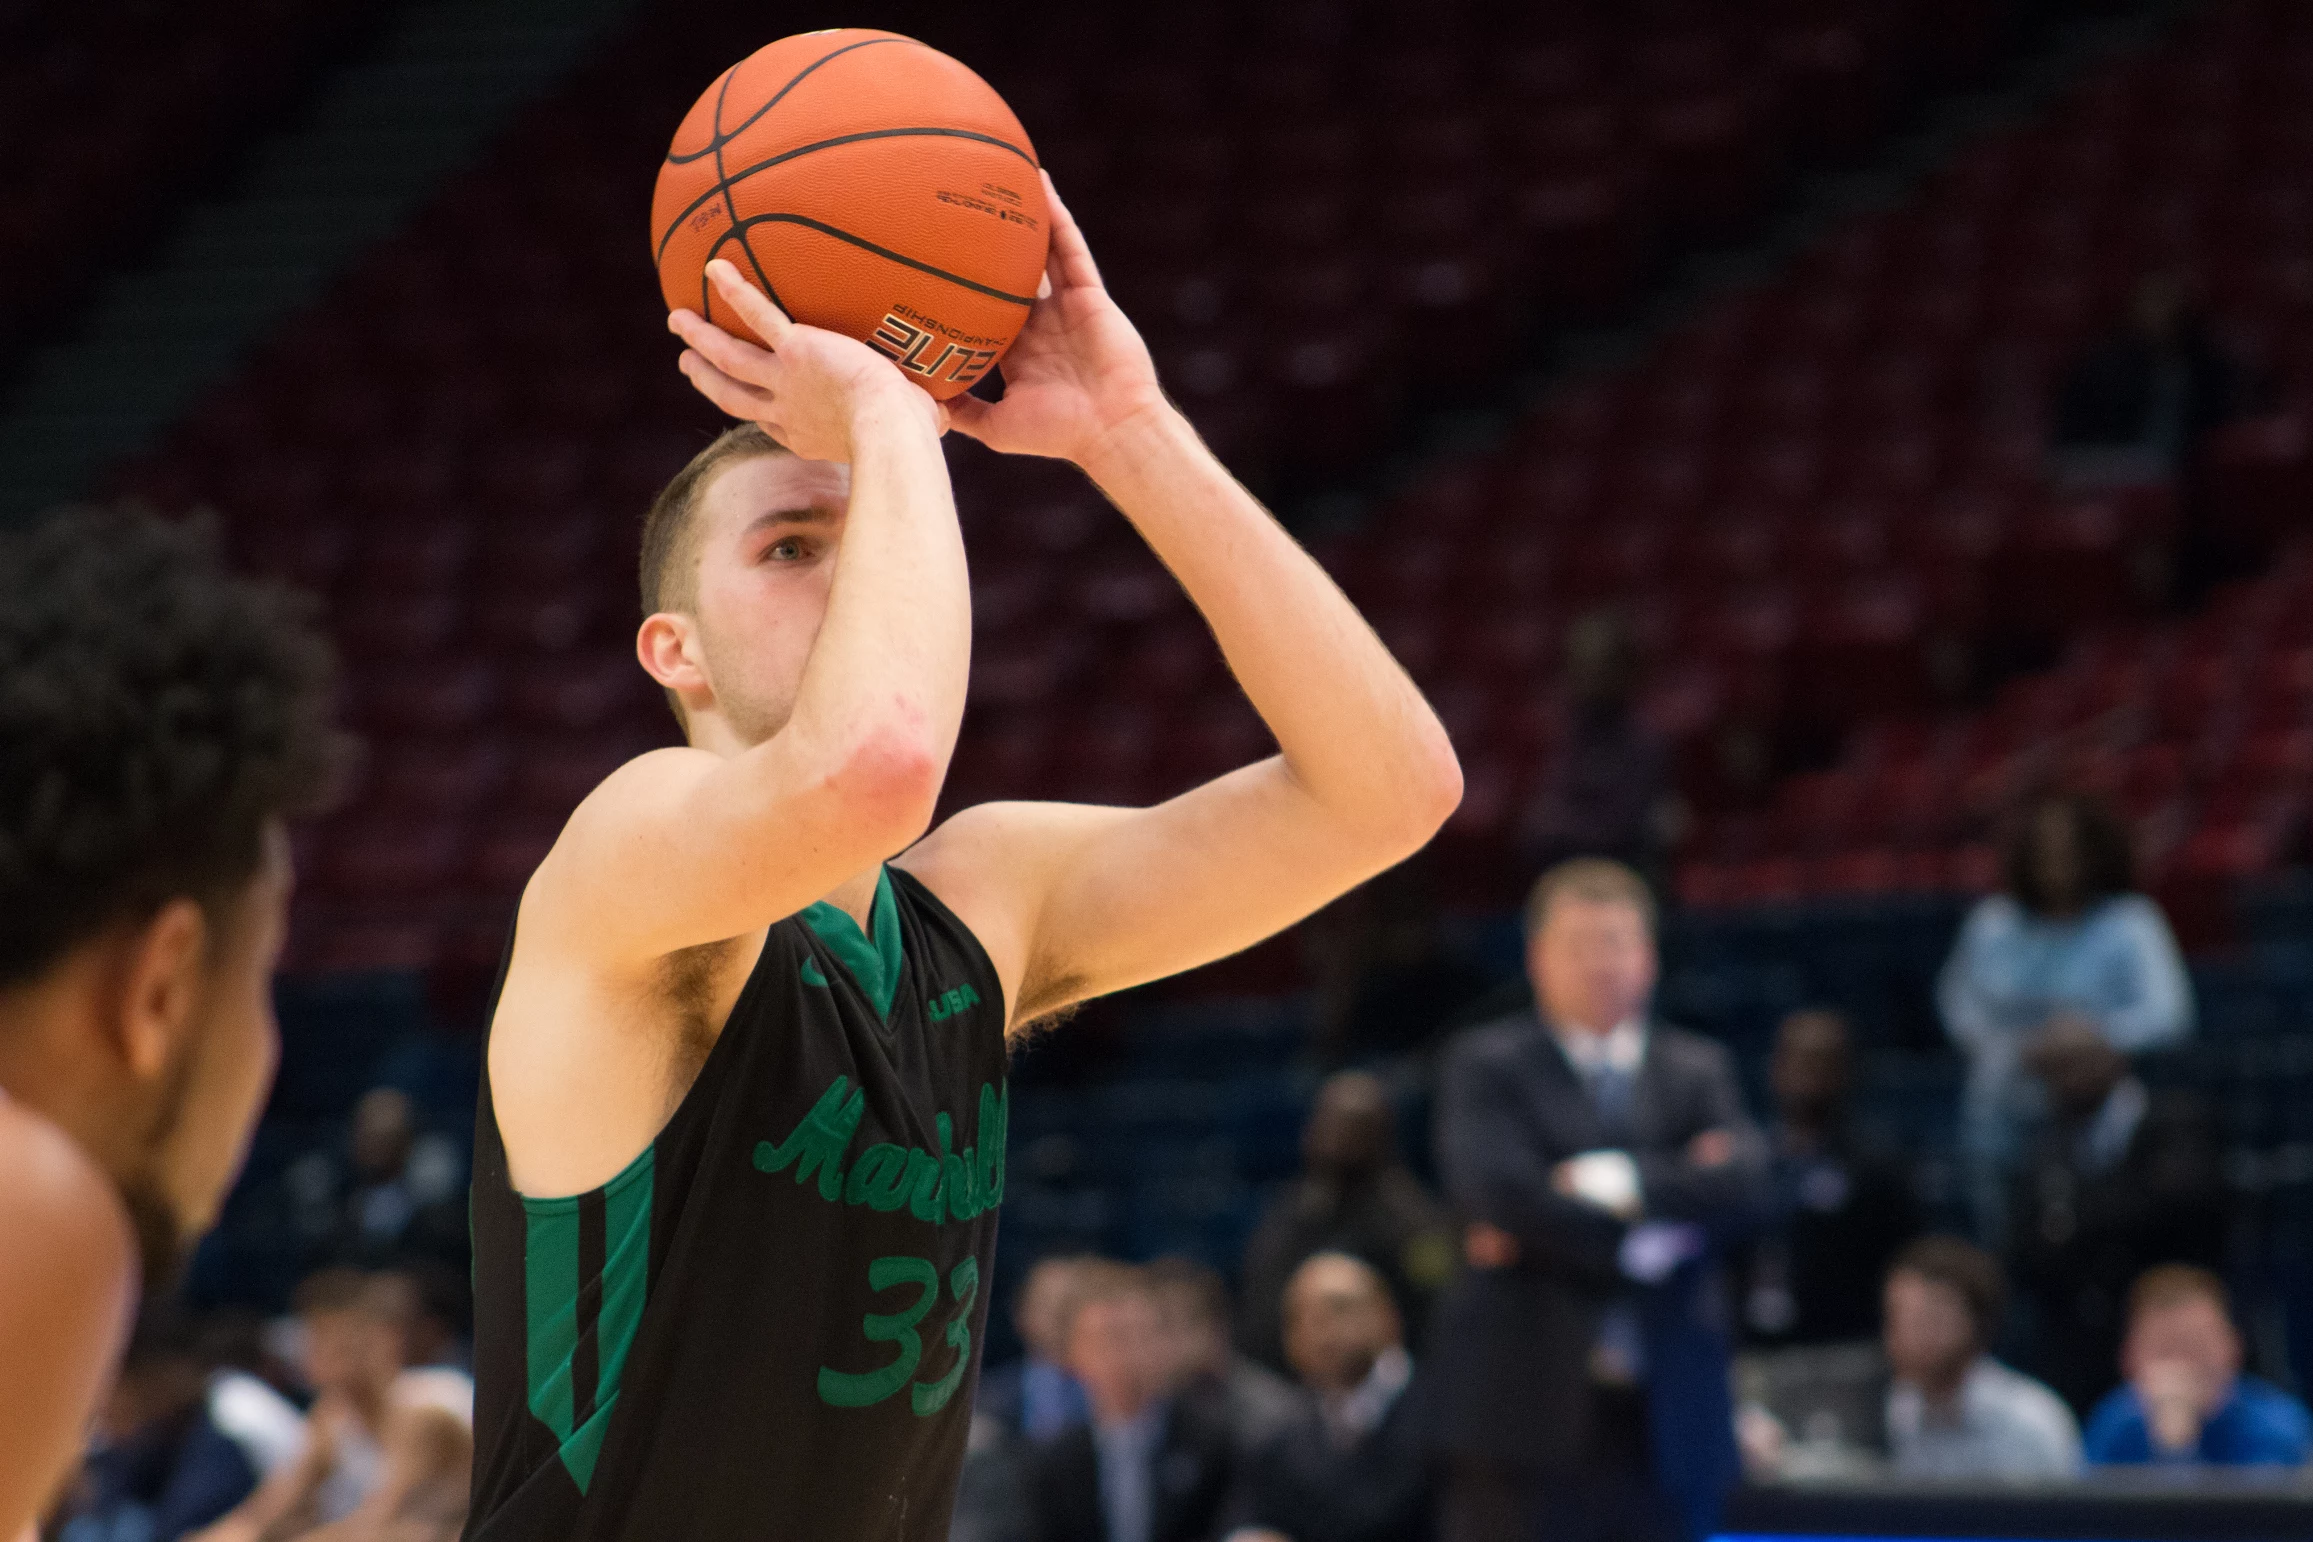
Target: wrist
x=1151, y=427
x=881, y=406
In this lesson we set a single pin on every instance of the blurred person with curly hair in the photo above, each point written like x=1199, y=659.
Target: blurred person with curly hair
x=159, y=721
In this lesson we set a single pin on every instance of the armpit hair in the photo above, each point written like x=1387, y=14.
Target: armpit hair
x=1046, y=1001
x=687, y=983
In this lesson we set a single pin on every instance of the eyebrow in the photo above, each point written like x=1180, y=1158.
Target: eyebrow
x=808, y=516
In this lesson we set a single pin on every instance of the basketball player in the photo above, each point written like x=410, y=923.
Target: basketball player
x=158, y=720
x=741, y=1139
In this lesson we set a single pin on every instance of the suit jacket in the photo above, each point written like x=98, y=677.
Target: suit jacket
x=1512, y=1347
x=1377, y=1490
x=1194, y=1466
x=2080, y=1237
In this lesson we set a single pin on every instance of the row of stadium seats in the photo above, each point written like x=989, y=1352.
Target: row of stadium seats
x=111, y=109
x=2201, y=730
x=1814, y=493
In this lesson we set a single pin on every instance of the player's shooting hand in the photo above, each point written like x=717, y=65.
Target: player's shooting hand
x=808, y=387
x=1077, y=373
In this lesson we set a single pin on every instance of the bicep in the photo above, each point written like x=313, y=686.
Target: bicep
x=1073, y=901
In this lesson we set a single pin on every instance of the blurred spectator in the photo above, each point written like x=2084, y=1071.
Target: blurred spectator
x=171, y=1454
x=389, y=1450
x=1387, y=978
x=2136, y=403
x=2121, y=1179
x=1582, y=1359
x=1953, y=1411
x=2186, y=1399
x=1354, y=1196
x=1840, y=1212
x=393, y=1197
x=1034, y=1396
x=1154, y=1464
x=1193, y=1313
x=245, y=1400
x=1606, y=789
x=1352, y=1468
x=2069, y=941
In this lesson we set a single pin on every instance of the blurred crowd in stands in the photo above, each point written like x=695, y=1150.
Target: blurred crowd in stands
x=1630, y=1293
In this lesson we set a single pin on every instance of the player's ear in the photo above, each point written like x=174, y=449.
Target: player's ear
x=668, y=646
x=167, y=959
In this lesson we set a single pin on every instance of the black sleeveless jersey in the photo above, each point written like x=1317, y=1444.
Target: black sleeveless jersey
x=767, y=1328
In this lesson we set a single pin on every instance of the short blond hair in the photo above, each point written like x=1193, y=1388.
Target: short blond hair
x=1599, y=880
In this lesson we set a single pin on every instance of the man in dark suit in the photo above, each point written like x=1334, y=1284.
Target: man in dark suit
x=1352, y=1467
x=2121, y=1179
x=1582, y=1360
x=1154, y=1464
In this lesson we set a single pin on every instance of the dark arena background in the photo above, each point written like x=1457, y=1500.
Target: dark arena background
x=1850, y=460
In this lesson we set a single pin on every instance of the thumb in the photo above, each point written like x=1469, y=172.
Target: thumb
x=968, y=415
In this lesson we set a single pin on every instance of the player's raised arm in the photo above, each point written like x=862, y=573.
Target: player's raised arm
x=784, y=792
x=1075, y=901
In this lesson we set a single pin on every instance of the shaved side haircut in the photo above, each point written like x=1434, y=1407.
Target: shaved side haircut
x=670, y=547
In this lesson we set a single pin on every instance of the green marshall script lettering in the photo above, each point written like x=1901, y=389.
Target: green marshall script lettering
x=949, y=1185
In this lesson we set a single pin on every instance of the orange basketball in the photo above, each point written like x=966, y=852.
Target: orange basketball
x=869, y=185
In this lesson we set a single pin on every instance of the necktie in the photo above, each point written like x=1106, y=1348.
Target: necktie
x=1610, y=1088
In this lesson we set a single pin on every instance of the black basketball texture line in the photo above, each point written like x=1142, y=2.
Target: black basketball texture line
x=719, y=138
x=738, y=232
x=723, y=182
x=722, y=189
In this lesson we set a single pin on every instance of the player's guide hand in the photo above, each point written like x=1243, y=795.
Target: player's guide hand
x=808, y=387
x=1078, y=372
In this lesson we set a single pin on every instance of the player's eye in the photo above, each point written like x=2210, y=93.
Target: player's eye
x=789, y=550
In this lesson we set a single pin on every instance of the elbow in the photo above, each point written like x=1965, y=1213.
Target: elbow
x=1430, y=790
x=889, y=781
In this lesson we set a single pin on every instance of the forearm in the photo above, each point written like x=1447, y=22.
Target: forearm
x=1355, y=732
x=891, y=658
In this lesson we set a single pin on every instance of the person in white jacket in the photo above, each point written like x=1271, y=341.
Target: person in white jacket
x=2068, y=941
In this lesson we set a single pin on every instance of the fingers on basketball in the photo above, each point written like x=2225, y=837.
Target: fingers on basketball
x=732, y=395
x=729, y=355
x=766, y=320
x=1070, y=263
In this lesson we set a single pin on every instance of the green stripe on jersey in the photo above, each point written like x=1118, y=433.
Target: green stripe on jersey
x=872, y=957
x=558, y=1298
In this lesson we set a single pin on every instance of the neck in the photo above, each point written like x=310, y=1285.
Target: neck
x=1123, y=1412
x=1943, y=1389
x=855, y=896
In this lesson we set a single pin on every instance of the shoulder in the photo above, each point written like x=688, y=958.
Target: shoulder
x=1995, y=915
x=2275, y=1413
x=2111, y=1420
x=992, y=840
x=2137, y=917
x=1492, y=1044
x=1686, y=1051
x=83, y=1262
x=2032, y=1405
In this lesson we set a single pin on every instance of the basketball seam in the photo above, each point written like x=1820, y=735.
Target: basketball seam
x=716, y=128
x=723, y=187
x=730, y=204
x=739, y=230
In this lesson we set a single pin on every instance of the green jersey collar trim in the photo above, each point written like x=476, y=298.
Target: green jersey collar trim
x=873, y=957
